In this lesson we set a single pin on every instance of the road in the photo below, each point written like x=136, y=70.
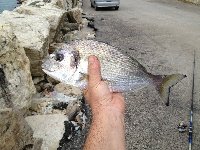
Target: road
x=162, y=35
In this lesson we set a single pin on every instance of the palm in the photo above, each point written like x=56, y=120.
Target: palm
x=103, y=98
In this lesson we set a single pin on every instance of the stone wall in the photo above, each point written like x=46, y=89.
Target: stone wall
x=16, y=85
x=25, y=37
x=193, y=1
x=15, y=133
x=37, y=23
x=16, y=90
x=33, y=35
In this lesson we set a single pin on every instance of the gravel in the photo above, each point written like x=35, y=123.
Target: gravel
x=162, y=36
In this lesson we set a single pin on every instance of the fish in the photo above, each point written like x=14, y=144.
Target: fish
x=69, y=64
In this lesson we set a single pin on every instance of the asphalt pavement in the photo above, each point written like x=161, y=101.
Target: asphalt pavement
x=162, y=35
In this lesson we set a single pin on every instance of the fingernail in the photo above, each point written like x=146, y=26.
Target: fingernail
x=91, y=59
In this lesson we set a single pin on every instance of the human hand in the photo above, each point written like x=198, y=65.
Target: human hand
x=98, y=94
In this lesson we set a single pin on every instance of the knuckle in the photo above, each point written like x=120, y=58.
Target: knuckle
x=95, y=85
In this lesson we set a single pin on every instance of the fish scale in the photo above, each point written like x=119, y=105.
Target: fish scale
x=108, y=56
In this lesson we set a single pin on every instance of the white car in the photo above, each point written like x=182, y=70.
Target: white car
x=105, y=3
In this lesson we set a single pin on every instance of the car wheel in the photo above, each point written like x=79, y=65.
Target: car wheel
x=117, y=7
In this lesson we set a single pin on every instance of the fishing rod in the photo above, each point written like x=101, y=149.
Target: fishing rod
x=191, y=109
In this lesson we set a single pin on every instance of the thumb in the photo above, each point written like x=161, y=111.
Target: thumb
x=94, y=71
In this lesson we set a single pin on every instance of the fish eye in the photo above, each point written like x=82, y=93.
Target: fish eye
x=59, y=57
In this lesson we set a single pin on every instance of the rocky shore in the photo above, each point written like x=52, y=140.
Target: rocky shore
x=37, y=112
x=192, y=1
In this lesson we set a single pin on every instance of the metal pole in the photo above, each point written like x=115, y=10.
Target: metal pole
x=191, y=109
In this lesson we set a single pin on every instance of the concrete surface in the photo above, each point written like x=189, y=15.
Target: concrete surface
x=161, y=35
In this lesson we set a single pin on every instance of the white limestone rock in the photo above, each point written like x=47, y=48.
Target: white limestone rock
x=16, y=85
x=52, y=14
x=193, y=1
x=15, y=133
x=50, y=128
x=63, y=4
x=68, y=90
x=75, y=15
x=33, y=35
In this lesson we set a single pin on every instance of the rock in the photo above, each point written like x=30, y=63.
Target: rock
x=72, y=26
x=39, y=82
x=81, y=119
x=50, y=128
x=72, y=110
x=70, y=131
x=54, y=103
x=90, y=18
x=83, y=32
x=38, y=88
x=65, y=30
x=59, y=38
x=52, y=80
x=67, y=89
x=15, y=133
x=193, y=1
x=33, y=35
x=80, y=4
x=63, y=4
x=20, y=1
x=92, y=25
x=75, y=16
x=74, y=3
x=61, y=97
x=68, y=37
x=47, y=86
x=16, y=85
x=36, y=80
x=60, y=106
x=52, y=14
x=36, y=3
x=41, y=105
x=52, y=48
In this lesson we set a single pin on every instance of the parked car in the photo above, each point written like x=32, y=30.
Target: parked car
x=105, y=3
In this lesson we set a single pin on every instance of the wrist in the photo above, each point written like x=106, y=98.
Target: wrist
x=107, y=111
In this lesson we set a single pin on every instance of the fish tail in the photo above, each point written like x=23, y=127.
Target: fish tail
x=164, y=83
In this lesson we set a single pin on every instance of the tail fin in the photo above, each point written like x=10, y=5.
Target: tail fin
x=164, y=83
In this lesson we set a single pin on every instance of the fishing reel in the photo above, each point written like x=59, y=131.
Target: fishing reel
x=182, y=127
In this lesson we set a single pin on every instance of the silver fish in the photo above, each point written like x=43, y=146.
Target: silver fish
x=69, y=64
